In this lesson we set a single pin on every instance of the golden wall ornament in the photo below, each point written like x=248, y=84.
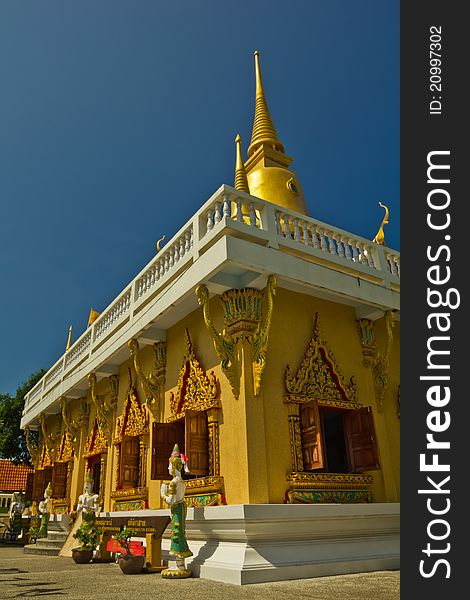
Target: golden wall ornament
x=97, y=440
x=318, y=376
x=260, y=337
x=133, y=420
x=381, y=365
x=365, y=328
x=102, y=407
x=72, y=428
x=244, y=320
x=65, y=451
x=224, y=344
x=34, y=447
x=196, y=389
x=153, y=385
x=51, y=439
x=114, y=391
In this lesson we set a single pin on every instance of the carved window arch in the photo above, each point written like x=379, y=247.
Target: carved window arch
x=193, y=423
x=329, y=430
x=131, y=431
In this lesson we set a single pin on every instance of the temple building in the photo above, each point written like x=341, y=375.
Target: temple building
x=261, y=340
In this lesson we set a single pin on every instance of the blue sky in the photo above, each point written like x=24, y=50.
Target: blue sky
x=118, y=119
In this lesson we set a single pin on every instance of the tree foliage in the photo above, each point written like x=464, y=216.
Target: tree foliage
x=12, y=439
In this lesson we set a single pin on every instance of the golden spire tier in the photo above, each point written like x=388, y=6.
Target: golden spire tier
x=241, y=182
x=267, y=172
x=264, y=131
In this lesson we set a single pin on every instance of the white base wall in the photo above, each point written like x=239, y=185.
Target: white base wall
x=255, y=543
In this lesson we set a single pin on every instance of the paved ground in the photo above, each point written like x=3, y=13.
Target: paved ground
x=32, y=576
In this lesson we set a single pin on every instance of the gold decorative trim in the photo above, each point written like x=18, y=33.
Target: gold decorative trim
x=244, y=320
x=71, y=428
x=224, y=344
x=60, y=506
x=34, y=447
x=65, y=451
x=96, y=442
x=381, y=365
x=130, y=494
x=204, y=485
x=153, y=384
x=318, y=376
x=260, y=337
x=133, y=420
x=114, y=390
x=196, y=389
x=102, y=407
x=330, y=481
x=50, y=440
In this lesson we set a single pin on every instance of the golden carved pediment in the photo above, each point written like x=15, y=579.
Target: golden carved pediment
x=96, y=442
x=133, y=420
x=197, y=390
x=318, y=376
x=65, y=449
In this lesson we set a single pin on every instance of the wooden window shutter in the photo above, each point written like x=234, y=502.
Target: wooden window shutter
x=29, y=487
x=164, y=437
x=38, y=485
x=310, y=431
x=197, y=442
x=59, y=480
x=130, y=452
x=360, y=435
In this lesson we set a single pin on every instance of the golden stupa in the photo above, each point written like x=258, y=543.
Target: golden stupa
x=267, y=168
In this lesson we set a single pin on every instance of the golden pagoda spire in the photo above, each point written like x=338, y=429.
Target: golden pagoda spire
x=241, y=182
x=264, y=131
x=69, y=340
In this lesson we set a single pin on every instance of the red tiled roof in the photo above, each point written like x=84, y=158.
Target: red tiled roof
x=13, y=477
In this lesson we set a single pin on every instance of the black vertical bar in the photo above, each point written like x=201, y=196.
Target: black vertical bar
x=433, y=119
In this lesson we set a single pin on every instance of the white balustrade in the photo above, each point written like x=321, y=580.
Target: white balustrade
x=226, y=206
x=80, y=347
x=53, y=374
x=113, y=314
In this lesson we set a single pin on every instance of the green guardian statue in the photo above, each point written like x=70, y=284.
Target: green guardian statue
x=173, y=495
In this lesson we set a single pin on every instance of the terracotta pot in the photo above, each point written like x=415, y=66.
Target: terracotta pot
x=82, y=556
x=131, y=565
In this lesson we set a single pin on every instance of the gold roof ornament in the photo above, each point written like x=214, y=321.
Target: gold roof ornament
x=268, y=175
x=380, y=237
x=69, y=339
x=94, y=314
x=241, y=182
x=264, y=131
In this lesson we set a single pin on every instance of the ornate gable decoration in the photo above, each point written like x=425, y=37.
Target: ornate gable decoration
x=96, y=442
x=46, y=458
x=197, y=390
x=318, y=376
x=65, y=449
x=133, y=420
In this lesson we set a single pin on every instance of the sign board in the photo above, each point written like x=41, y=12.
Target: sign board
x=143, y=525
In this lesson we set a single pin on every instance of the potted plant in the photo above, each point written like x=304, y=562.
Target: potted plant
x=130, y=564
x=88, y=535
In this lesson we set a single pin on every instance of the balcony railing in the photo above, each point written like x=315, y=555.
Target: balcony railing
x=227, y=212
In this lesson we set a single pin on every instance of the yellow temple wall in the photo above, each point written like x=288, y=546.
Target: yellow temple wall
x=254, y=442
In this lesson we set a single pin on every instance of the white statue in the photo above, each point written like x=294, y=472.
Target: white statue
x=16, y=511
x=88, y=502
x=45, y=511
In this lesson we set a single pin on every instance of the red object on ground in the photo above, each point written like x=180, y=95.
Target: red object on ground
x=137, y=548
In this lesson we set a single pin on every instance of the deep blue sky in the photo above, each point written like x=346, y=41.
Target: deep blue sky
x=117, y=121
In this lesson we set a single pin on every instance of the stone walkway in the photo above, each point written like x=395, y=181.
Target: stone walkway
x=32, y=576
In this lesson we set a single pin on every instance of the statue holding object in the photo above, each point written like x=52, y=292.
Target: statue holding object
x=173, y=495
x=16, y=512
x=88, y=502
x=45, y=511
